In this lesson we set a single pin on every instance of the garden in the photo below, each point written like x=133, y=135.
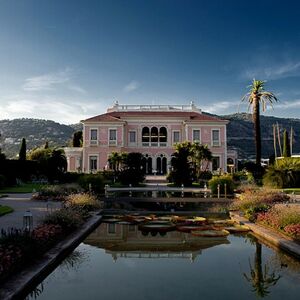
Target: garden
x=19, y=248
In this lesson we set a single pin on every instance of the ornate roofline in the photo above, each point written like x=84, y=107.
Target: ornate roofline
x=127, y=108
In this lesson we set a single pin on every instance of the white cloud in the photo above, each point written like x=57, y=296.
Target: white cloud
x=47, y=81
x=66, y=111
x=131, y=86
x=77, y=88
x=274, y=72
x=221, y=107
x=288, y=104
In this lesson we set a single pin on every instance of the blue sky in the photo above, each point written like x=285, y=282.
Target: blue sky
x=68, y=60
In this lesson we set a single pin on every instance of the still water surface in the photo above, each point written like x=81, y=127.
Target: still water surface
x=119, y=262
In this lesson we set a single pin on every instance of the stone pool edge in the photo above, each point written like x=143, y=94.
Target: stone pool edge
x=21, y=284
x=270, y=236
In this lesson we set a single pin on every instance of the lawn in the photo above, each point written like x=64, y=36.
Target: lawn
x=5, y=210
x=24, y=188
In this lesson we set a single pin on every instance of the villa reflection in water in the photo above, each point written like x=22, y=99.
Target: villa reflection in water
x=128, y=241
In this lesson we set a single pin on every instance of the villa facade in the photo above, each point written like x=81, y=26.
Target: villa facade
x=152, y=130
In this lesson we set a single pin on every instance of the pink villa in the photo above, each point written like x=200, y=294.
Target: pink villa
x=152, y=130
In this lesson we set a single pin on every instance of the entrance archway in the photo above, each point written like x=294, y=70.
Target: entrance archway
x=147, y=164
x=161, y=164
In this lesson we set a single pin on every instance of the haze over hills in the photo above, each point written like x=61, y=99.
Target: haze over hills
x=239, y=134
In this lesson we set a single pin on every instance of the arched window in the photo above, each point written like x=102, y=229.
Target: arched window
x=145, y=136
x=163, y=134
x=154, y=136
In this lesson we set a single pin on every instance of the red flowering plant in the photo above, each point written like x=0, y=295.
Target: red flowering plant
x=293, y=230
x=47, y=234
x=285, y=218
x=9, y=257
x=255, y=202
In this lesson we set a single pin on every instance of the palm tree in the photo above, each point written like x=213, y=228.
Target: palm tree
x=255, y=97
x=200, y=153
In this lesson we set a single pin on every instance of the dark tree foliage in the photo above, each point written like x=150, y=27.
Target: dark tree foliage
x=132, y=172
x=182, y=171
x=22, y=153
x=286, y=145
x=57, y=164
x=52, y=162
x=77, y=139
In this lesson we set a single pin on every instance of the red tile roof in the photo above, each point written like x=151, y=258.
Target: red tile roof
x=119, y=115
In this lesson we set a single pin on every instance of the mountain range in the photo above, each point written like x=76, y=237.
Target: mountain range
x=239, y=134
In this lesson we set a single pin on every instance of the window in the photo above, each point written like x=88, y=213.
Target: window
x=196, y=135
x=154, y=136
x=112, y=136
x=215, y=163
x=163, y=135
x=132, y=137
x=176, y=137
x=111, y=228
x=94, y=136
x=93, y=163
x=145, y=136
x=215, y=137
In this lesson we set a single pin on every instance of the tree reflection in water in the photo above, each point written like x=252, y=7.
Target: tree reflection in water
x=74, y=260
x=260, y=277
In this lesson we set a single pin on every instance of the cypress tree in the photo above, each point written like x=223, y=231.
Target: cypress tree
x=77, y=139
x=286, y=144
x=22, y=153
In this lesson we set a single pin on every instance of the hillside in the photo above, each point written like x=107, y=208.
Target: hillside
x=36, y=132
x=239, y=133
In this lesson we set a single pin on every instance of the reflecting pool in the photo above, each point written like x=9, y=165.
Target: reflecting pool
x=121, y=262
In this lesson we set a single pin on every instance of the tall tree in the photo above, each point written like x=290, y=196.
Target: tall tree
x=199, y=154
x=22, y=153
x=77, y=139
x=286, y=145
x=182, y=170
x=257, y=97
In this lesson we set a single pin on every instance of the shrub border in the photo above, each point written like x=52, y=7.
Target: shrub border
x=21, y=284
x=270, y=236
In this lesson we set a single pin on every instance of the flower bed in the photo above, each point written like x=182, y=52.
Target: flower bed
x=19, y=248
x=254, y=202
x=56, y=192
x=286, y=219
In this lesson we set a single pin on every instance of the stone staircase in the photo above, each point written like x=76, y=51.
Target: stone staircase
x=156, y=179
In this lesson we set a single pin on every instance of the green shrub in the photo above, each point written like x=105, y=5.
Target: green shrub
x=92, y=182
x=285, y=173
x=69, y=219
x=221, y=180
x=131, y=176
x=85, y=201
x=57, y=192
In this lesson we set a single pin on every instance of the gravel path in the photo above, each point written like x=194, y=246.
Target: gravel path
x=21, y=203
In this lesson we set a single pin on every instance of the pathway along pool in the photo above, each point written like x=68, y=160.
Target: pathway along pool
x=119, y=262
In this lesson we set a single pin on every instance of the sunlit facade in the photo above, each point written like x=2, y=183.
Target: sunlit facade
x=152, y=130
